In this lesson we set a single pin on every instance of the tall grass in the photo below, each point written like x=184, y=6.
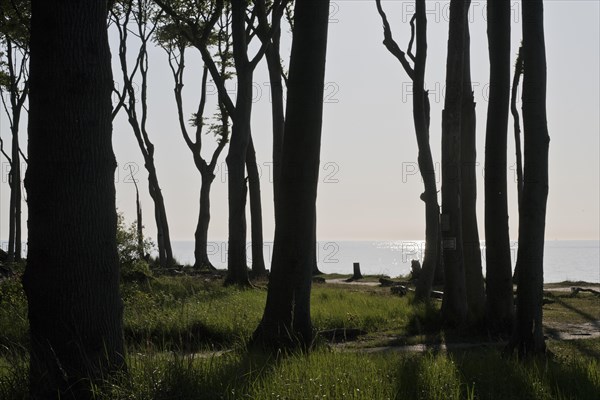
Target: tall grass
x=323, y=374
x=191, y=315
x=169, y=321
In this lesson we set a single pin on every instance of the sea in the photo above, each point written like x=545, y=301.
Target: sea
x=564, y=260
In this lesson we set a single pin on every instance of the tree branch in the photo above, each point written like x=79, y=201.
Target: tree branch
x=4, y=153
x=391, y=44
x=412, y=37
x=276, y=16
x=178, y=77
x=201, y=45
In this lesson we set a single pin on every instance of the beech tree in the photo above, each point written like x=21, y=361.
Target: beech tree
x=499, y=288
x=468, y=190
x=421, y=117
x=15, y=17
x=169, y=37
x=528, y=334
x=122, y=13
x=242, y=30
x=72, y=276
x=256, y=226
x=454, y=304
x=286, y=320
x=516, y=123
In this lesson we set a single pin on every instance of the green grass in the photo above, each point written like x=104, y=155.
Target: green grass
x=172, y=323
x=564, y=308
x=13, y=315
x=189, y=314
x=476, y=374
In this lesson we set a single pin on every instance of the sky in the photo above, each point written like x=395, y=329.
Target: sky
x=369, y=184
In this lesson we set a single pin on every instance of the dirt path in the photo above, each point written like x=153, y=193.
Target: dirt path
x=564, y=331
x=554, y=331
x=344, y=281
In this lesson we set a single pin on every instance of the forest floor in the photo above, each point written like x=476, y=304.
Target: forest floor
x=567, y=316
x=186, y=334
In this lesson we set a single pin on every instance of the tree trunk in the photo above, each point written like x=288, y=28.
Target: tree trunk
x=237, y=269
x=500, y=302
x=11, y=214
x=517, y=129
x=273, y=58
x=160, y=214
x=17, y=100
x=315, y=268
x=18, y=208
x=286, y=319
x=421, y=117
x=454, y=305
x=517, y=126
x=72, y=284
x=529, y=337
x=258, y=259
x=139, y=225
x=439, y=266
x=201, y=235
x=468, y=198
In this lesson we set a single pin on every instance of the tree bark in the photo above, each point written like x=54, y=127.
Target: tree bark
x=454, y=305
x=528, y=335
x=139, y=221
x=258, y=259
x=72, y=284
x=273, y=57
x=468, y=198
x=11, y=214
x=237, y=268
x=517, y=126
x=286, y=320
x=499, y=288
x=517, y=129
x=315, y=268
x=201, y=235
x=160, y=214
x=421, y=117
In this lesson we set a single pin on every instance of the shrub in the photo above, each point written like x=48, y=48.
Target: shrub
x=133, y=268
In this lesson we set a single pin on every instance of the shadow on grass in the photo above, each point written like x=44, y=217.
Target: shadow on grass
x=189, y=339
x=581, y=345
x=493, y=377
x=594, y=320
x=171, y=376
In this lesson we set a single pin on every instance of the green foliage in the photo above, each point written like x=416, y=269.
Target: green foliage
x=132, y=267
x=15, y=17
x=13, y=315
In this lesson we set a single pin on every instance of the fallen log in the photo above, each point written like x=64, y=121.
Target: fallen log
x=576, y=290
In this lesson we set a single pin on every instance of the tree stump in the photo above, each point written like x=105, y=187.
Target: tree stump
x=415, y=267
x=357, y=274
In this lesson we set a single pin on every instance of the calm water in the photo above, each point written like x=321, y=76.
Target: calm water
x=564, y=260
